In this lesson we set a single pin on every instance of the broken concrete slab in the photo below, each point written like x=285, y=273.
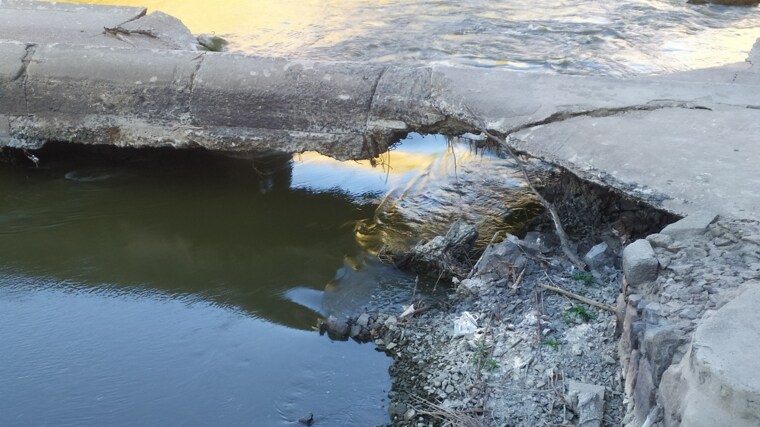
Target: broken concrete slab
x=649, y=137
x=587, y=401
x=507, y=101
x=298, y=103
x=639, y=263
x=92, y=25
x=694, y=224
x=668, y=155
x=42, y=22
x=718, y=382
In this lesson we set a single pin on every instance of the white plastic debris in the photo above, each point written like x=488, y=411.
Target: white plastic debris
x=465, y=324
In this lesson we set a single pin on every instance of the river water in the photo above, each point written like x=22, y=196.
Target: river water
x=164, y=287
x=170, y=288
x=569, y=36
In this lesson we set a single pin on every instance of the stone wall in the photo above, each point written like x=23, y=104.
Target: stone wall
x=671, y=281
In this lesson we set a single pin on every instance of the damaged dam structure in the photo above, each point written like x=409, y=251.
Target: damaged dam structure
x=687, y=143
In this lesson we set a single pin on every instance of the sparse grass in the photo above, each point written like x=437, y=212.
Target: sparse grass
x=580, y=312
x=480, y=356
x=552, y=342
x=584, y=277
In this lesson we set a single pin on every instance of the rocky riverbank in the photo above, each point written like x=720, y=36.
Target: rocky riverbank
x=504, y=347
x=526, y=339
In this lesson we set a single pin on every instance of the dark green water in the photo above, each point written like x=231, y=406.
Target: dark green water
x=149, y=291
x=182, y=288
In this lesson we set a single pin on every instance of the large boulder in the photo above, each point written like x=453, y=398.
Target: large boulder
x=717, y=383
x=639, y=263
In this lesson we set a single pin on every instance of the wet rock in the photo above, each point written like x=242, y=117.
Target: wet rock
x=639, y=263
x=335, y=328
x=443, y=257
x=693, y=225
x=212, y=43
x=587, y=401
x=308, y=420
x=356, y=331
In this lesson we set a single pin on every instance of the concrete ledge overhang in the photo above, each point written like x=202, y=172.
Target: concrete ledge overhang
x=161, y=97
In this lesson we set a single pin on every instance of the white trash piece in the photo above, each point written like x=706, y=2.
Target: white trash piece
x=465, y=324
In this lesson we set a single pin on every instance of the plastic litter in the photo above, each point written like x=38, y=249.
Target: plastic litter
x=465, y=324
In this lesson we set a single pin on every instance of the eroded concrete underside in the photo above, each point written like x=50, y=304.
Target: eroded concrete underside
x=687, y=142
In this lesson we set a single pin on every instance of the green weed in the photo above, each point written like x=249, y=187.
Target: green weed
x=580, y=312
x=551, y=342
x=584, y=277
x=480, y=355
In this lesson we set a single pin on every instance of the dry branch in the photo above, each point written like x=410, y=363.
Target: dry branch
x=563, y=239
x=579, y=298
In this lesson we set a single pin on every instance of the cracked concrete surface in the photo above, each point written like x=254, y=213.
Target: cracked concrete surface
x=699, y=159
x=106, y=91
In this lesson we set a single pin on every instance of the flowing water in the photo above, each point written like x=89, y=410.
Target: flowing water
x=568, y=36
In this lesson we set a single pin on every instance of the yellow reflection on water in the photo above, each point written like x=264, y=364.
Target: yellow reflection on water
x=285, y=24
x=712, y=47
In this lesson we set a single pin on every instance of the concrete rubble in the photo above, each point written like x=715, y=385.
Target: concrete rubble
x=588, y=401
x=682, y=351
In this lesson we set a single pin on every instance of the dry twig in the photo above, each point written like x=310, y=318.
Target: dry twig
x=579, y=298
x=560, y=230
x=564, y=240
x=450, y=417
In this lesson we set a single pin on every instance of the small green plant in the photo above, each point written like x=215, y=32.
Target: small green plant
x=584, y=277
x=480, y=355
x=552, y=342
x=481, y=351
x=580, y=312
x=490, y=364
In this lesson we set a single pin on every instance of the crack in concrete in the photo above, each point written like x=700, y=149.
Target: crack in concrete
x=561, y=116
x=30, y=49
x=369, y=136
x=373, y=95
x=200, y=59
x=191, y=87
x=23, y=73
